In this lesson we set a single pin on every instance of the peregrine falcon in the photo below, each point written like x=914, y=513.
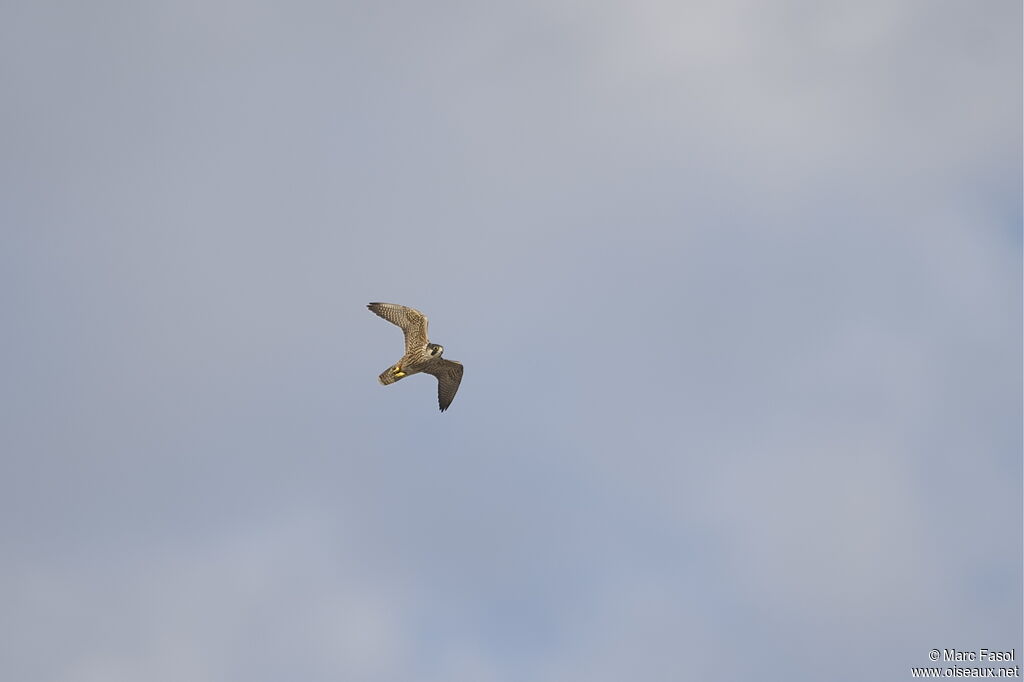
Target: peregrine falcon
x=420, y=354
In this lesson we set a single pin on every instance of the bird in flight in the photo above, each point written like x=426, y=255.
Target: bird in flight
x=420, y=354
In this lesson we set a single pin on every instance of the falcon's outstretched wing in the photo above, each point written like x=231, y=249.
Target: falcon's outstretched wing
x=412, y=322
x=449, y=376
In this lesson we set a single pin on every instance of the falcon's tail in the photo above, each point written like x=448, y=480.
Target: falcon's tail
x=391, y=375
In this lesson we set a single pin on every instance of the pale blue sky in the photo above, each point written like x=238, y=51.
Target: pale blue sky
x=737, y=286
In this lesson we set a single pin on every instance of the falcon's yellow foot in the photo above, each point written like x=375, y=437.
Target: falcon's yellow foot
x=397, y=372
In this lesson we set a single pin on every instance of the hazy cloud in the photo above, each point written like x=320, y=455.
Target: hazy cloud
x=737, y=288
